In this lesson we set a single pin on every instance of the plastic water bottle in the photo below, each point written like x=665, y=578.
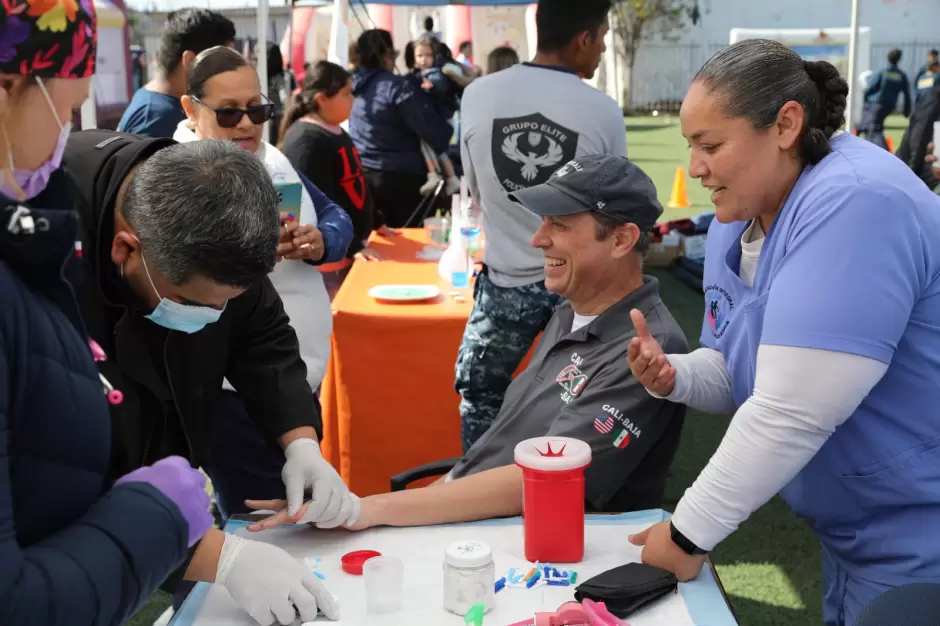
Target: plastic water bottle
x=460, y=272
x=470, y=226
x=471, y=238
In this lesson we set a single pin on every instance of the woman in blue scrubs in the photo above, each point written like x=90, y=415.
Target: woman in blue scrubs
x=821, y=331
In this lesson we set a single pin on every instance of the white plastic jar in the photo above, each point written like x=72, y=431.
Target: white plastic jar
x=469, y=577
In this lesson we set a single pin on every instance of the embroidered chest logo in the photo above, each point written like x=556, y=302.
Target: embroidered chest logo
x=718, y=305
x=353, y=182
x=573, y=381
x=613, y=422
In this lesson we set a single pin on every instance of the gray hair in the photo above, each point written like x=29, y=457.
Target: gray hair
x=205, y=208
x=754, y=78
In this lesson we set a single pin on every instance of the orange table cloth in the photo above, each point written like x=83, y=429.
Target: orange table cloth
x=388, y=395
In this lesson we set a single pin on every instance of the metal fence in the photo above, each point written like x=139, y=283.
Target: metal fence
x=663, y=71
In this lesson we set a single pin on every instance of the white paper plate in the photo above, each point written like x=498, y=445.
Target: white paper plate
x=404, y=293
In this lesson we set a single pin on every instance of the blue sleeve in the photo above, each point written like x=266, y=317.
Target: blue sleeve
x=831, y=292
x=418, y=114
x=139, y=123
x=440, y=83
x=97, y=571
x=332, y=221
x=874, y=85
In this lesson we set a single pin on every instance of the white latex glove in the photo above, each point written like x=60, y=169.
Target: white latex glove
x=332, y=504
x=270, y=585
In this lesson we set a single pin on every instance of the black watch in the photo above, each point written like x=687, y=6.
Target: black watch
x=680, y=540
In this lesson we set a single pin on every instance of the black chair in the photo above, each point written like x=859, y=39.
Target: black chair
x=910, y=605
x=401, y=481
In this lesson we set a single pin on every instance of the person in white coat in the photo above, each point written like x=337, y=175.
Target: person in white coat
x=224, y=101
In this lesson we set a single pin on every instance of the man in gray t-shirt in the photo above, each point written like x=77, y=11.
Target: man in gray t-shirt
x=517, y=127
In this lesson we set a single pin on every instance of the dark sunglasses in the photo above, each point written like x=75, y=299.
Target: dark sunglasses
x=229, y=117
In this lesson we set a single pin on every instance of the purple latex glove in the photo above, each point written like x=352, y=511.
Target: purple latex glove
x=185, y=486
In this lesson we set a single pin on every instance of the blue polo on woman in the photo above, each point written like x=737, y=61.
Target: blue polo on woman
x=851, y=264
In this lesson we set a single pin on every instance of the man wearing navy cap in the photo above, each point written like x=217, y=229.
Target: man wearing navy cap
x=596, y=214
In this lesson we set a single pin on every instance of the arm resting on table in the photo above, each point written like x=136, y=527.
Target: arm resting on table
x=436, y=468
x=493, y=493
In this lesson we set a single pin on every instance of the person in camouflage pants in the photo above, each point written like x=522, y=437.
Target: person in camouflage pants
x=501, y=328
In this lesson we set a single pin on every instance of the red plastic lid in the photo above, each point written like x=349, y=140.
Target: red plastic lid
x=352, y=561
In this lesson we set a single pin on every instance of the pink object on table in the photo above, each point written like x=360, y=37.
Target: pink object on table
x=598, y=614
x=587, y=613
x=568, y=613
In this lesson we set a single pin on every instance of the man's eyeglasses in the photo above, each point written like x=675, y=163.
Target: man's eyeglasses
x=229, y=117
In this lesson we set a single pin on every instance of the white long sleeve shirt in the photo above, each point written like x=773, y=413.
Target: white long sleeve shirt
x=801, y=395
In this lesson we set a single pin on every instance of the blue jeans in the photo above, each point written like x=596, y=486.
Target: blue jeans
x=242, y=464
x=873, y=123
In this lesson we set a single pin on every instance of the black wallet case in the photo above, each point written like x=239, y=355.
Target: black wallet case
x=626, y=588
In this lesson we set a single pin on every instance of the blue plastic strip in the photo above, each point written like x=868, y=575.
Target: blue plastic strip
x=703, y=598
x=704, y=601
x=188, y=613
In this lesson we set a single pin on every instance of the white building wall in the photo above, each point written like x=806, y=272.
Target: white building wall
x=891, y=20
x=664, y=69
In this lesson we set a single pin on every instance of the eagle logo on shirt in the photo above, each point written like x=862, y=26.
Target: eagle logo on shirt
x=527, y=150
x=531, y=162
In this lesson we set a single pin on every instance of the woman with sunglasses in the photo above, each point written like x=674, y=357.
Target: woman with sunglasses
x=224, y=101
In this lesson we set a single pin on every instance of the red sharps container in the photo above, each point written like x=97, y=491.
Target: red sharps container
x=553, y=497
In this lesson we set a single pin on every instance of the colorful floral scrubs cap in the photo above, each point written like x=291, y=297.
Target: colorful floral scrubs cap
x=48, y=38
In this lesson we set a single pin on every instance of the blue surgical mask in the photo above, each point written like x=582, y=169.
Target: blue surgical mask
x=186, y=318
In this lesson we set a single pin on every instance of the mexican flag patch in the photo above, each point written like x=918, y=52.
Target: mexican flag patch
x=622, y=439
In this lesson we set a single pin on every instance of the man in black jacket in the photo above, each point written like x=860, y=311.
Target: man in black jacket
x=177, y=243
x=913, y=149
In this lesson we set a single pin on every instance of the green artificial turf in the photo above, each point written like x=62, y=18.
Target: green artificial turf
x=770, y=568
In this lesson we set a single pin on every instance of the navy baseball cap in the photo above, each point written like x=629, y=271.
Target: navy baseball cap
x=610, y=185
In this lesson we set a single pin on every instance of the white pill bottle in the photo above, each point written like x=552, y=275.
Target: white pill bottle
x=469, y=577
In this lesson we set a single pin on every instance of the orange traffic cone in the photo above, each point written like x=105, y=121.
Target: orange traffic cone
x=679, y=198
x=890, y=143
